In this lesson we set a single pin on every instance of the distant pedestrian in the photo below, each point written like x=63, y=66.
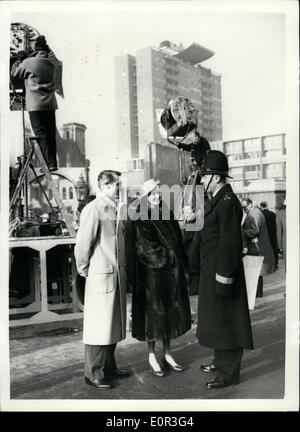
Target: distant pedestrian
x=223, y=313
x=249, y=235
x=281, y=230
x=270, y=218
x=262, y=241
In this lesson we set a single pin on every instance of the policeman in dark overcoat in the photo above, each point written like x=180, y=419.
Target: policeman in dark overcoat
x=223, y=314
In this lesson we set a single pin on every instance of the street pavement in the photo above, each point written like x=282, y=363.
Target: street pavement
x=46, y=364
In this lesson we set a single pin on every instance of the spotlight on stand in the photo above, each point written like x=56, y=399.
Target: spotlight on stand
x=178, y=124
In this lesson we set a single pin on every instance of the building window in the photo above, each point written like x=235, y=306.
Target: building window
x=251, y=168
x=252, y=155
x=252, y=172
x=64, y=193
x=236, y=173
x=251, y=145
x=71, y=194
x=273, y=154
x=275, y=170
x=233, y=147
x=273, y=142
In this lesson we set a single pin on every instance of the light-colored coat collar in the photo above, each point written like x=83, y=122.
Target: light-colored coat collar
x=108, y=201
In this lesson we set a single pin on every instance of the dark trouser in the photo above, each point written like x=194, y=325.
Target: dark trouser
x=193, y=285
x=259, y=290
x=99, y=360
x=275, y=256
x=44, y=128
x=228, y=362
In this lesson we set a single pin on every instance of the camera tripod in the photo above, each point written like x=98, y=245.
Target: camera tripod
x=34, y=147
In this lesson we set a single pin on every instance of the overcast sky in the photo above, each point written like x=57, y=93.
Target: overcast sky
x=250, y=54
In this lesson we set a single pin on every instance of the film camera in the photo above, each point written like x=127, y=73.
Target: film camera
x=22, y=40
x=22, y=45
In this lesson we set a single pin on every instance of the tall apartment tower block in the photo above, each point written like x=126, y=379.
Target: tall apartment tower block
x=150, y=80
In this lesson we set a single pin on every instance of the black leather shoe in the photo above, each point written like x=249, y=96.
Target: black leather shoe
x=221, y=382
x=176, y=368
x=120, y=373
x=98, y=383
x=208, y=367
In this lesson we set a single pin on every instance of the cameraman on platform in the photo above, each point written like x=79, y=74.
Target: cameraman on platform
x=38, y=72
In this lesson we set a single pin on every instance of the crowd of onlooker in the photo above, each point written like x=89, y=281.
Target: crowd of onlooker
x=263, y=233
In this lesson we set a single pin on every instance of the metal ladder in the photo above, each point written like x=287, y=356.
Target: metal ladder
x=34, y=146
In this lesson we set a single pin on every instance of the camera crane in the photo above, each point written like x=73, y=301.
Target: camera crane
x=22, y=39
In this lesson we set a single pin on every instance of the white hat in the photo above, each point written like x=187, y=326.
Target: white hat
x=148, y=186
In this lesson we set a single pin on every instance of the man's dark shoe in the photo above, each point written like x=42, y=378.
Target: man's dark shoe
x=208, y=367
x=120, y=373
x=221, y=382
x=98, y=383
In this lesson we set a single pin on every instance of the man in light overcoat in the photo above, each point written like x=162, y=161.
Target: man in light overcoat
x=99, y=253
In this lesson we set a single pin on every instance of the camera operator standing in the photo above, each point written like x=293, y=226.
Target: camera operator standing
x=38, y=72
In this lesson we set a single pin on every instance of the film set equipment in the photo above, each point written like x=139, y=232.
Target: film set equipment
x=178, y=124
x=22, y=38
x=22, y=43
x=35, y=150
x=180, y=120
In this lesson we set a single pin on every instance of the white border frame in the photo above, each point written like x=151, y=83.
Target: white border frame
x=291, y=399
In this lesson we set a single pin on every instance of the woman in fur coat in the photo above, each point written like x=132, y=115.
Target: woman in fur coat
x=160, y=301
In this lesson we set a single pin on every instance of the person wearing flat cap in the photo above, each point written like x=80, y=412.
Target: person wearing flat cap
x=223, y=315
x=160, y=301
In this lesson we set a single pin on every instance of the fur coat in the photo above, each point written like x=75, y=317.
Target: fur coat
x=160, y=301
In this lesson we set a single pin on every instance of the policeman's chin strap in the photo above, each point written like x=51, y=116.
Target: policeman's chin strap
x=209, y=183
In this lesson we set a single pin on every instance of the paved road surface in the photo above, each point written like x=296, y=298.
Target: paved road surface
x=51, y=367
